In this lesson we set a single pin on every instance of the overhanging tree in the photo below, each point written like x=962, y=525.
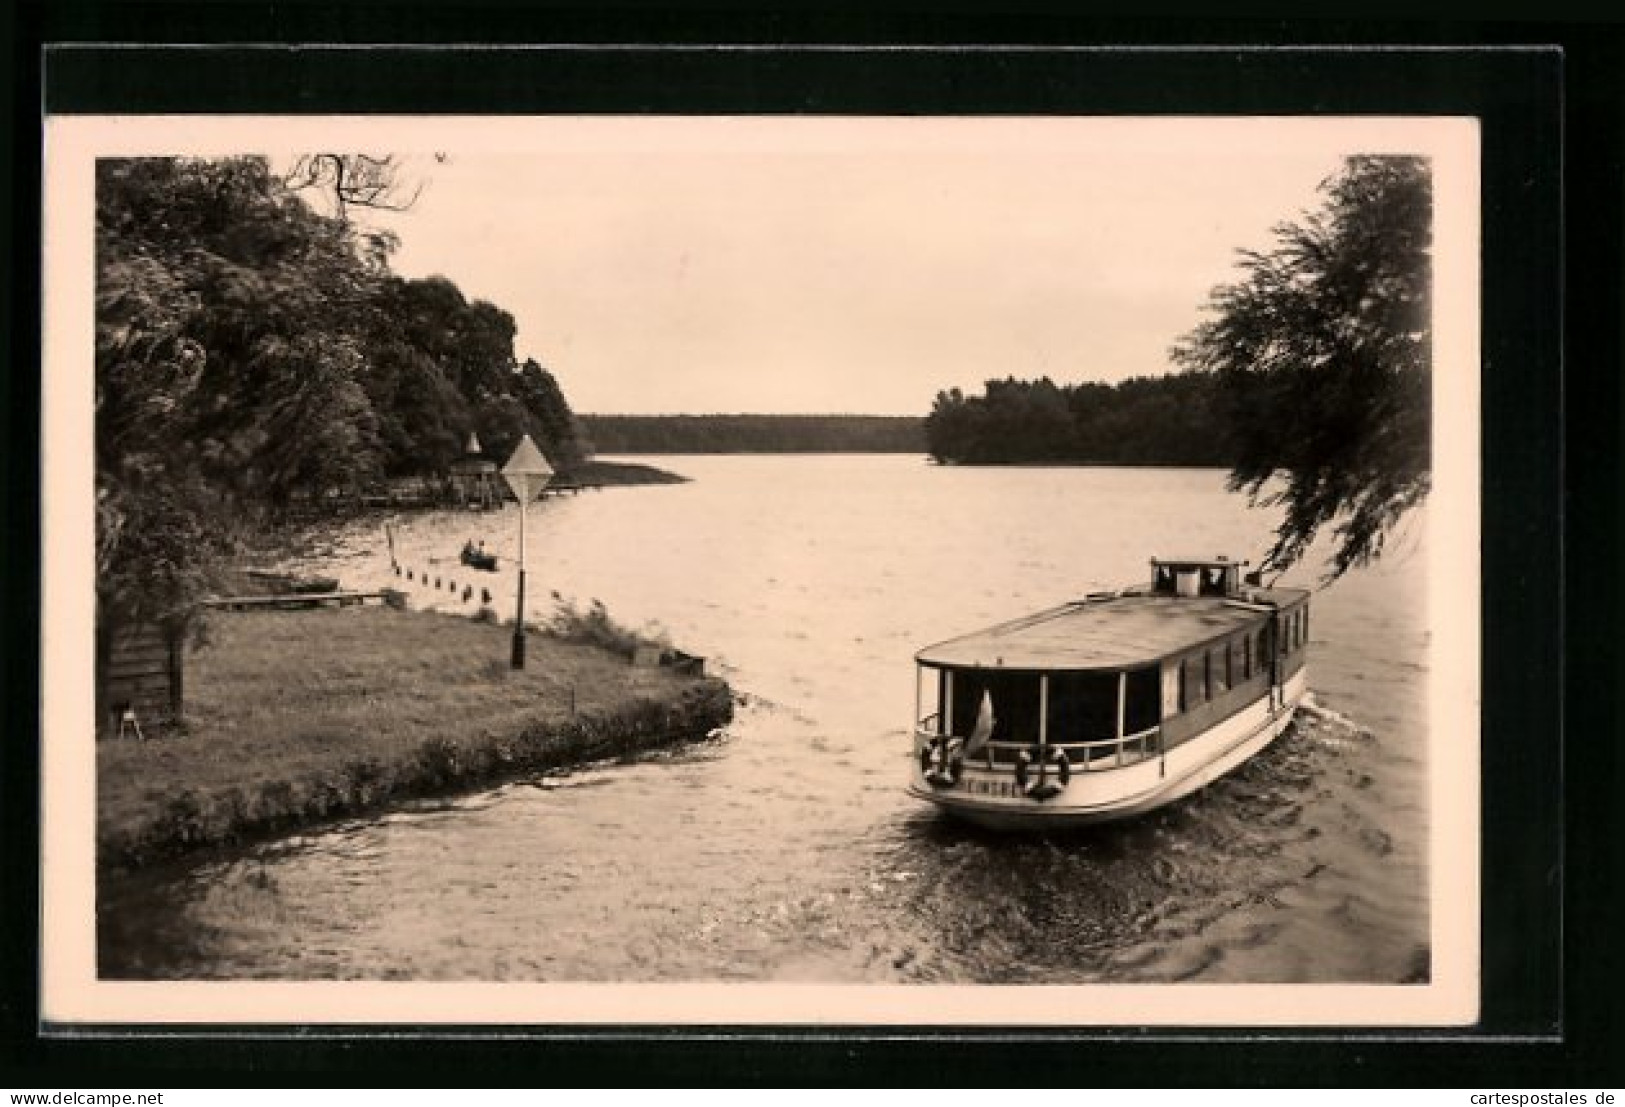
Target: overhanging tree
x=1323, y=354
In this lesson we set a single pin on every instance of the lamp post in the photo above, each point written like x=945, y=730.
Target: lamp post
x=527, y=473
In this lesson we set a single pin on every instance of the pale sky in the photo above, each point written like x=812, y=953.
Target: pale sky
x=774, y=264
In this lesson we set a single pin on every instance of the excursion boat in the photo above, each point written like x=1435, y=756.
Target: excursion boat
x=1113, y=705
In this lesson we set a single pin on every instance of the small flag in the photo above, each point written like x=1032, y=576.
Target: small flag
x=984, y=726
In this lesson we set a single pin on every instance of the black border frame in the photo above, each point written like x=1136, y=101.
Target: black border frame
x=1529, y=1026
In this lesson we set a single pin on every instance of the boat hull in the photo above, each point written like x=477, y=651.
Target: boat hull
x=988, y=797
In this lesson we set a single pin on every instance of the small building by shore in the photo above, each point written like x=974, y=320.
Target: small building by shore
x=474, y=479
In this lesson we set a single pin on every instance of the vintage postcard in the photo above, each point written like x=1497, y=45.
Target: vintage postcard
x=941, y=571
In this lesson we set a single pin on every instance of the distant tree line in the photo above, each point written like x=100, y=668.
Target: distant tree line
x=766, y=434
x=251, y=352
x=1169, y=420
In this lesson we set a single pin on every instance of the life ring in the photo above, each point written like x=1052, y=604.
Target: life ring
x=1038, y=786
x=942, y=761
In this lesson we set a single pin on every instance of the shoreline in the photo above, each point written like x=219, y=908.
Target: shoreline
x=309, y=537
x=292, y=722
x=626, y=474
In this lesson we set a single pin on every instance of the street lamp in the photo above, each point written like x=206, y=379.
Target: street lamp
x=527, y=473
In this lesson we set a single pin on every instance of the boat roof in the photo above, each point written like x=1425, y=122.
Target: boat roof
x=1204, y=561
x=1114, y=632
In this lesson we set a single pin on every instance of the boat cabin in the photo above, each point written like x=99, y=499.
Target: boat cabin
x=1219, y=577
x=1120, y=676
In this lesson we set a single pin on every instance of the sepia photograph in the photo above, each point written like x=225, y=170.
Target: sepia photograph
x=739, y=569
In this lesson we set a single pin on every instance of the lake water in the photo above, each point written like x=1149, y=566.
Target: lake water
x=787, y=850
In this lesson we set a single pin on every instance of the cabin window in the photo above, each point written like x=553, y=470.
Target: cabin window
x=1304, y=612
x=1241, y=660
x=1082, y=707
x=1213, y=580
x=1218, y=667
x=1193, y=672
x=1012, y=700
x=1140, y=702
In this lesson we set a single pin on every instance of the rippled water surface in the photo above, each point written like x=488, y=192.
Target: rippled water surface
x=787, y=849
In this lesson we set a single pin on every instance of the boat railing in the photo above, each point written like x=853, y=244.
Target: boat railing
x=1103, y=753
x=1111, y=753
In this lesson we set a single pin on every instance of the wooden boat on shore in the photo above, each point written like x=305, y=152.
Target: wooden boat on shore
x=289, y=584
x=1109, y=706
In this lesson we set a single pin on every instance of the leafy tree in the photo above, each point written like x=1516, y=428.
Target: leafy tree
x=252, y=353
x=148, y=494
x=319, y=429
x=273, y=295
x=1322, y=351
x=355, y=180
x=561, y=436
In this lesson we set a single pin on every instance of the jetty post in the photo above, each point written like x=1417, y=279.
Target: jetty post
x=527, y=473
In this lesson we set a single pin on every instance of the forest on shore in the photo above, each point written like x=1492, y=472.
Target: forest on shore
x=1169, y=420
x=755, y=434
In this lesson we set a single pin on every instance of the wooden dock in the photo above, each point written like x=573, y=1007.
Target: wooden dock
x=292, y=601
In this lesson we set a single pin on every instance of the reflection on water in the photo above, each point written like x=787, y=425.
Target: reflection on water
x=786, y=849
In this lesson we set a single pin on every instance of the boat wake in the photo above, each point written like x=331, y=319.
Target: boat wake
x=1314, y=708
x=1254, y=874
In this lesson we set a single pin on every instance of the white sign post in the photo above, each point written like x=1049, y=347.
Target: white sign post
x=527, y=473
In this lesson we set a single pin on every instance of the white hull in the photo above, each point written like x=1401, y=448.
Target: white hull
x=989, y=798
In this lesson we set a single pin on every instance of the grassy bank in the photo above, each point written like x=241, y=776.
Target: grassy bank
x=300, y=716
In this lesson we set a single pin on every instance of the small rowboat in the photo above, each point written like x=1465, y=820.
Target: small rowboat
x=479, y=559
x=1109, y=706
